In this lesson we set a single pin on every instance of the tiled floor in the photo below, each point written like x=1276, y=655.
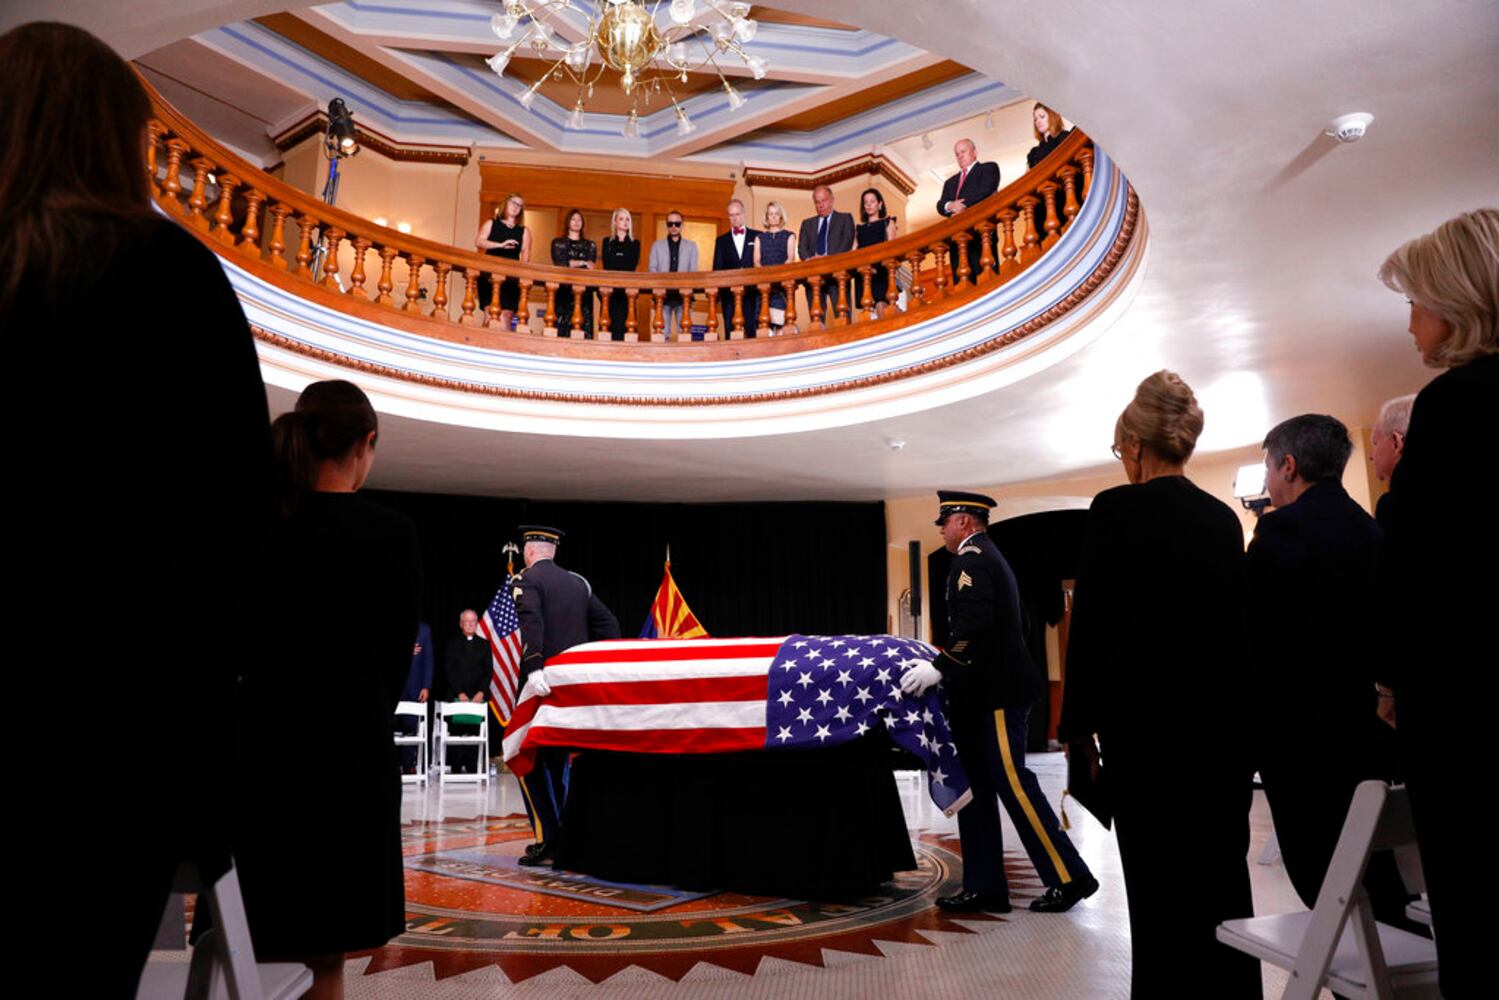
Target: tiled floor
x=529, y=943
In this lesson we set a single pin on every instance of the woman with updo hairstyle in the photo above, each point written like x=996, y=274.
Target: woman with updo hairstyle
x=1153, y=663
x=1441, y=554
x=317, y=785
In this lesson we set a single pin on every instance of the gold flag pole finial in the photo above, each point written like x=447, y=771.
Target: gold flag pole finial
x=510, y=550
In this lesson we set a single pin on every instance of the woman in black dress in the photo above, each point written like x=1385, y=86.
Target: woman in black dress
x=1151, y=664
x=146, y=498
x=504, y=236
x=1046, y=126
x=317, y=780
x=876, y=225
x=574, y=250
x=1441, y=549
x=621, y=252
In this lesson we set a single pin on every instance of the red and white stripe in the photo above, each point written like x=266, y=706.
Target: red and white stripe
x=648, y=696
x=504, y=674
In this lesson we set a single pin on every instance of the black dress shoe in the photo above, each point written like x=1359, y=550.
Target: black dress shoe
x=974, y=902
x=1061, y=898
x=536, y=854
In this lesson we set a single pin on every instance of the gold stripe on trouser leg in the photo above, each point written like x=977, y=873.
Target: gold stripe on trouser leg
x=1023, y=799
x=535, y=816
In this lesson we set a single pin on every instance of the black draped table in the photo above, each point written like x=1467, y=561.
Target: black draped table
x=818, y=824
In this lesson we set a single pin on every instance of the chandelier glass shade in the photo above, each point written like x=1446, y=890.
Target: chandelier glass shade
x=650, y=49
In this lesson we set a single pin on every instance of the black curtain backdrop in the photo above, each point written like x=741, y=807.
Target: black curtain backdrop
x=744, y=568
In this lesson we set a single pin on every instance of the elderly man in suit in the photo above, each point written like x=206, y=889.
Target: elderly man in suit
x=736, y=249
x=824, y=234
x=973, y=182
x=1312, y=575
x=668, y=256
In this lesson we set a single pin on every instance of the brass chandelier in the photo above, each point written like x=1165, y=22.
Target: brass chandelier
x=626, y=36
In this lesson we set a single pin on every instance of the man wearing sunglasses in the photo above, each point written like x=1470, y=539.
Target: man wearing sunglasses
x=668, y=256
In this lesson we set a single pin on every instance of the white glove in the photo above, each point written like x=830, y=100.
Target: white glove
x=538, y=683
x=919, y=676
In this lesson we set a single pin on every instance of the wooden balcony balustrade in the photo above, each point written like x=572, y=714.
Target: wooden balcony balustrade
x=288, y=236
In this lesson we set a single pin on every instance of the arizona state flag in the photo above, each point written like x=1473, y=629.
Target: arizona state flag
x=670, y=617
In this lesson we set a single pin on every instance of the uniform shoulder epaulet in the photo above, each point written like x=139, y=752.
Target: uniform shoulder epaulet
x=970, y=550
x=580, y=576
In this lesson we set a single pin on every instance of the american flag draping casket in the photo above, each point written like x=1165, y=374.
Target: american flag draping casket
x=796, y=692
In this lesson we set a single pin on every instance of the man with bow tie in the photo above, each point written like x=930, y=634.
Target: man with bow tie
x=736, y=249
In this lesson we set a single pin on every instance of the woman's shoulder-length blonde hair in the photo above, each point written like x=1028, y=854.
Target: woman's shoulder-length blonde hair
x=1453, y=272
x=629, y=222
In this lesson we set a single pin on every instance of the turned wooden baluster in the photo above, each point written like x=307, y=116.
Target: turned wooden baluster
x=605, y=294
x=918, y=293
x=939, y=255
x=712, y=333
x=549, y=318
x=892, y=289
x=386, y=285
x=866, y=301
x=154, y=131
x=356, y=273
x=440, y=291
x=279, y=212
x=1008, y=265
x=1032, y=248
x=737, y=332
x=249, y=233
x=1049, y=191
x=577, y=318
x=224, y=217
x=1070, y=204
x=334, y=236
x=171, y=186
x=658, y=315
x=684, y=323
x=414, y=264
x=198, y=200
x=986, y=253
x=814, y=302
x=840, y=304
x=632, y=325
x=790, y=287
x=492, y=309
x=961, y=267
x=470, y=302
x=1085, y=157
x=304, y=246
x=523, y=314
x=762, y=323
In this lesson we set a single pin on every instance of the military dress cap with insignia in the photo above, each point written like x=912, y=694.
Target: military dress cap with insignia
x=959, y=502
x=539, y=533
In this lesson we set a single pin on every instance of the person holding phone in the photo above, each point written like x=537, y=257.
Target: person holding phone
x=505, y=235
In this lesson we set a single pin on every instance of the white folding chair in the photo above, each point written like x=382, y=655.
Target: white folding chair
x=419, y=740
x=448, y=712
x=1338, y=943
x=223, y=963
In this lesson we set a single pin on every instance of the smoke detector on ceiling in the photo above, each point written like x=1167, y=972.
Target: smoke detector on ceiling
x=1350, y=128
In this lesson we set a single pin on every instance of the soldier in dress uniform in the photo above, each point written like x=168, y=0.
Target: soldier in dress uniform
x=990, y=688
x=557, y=610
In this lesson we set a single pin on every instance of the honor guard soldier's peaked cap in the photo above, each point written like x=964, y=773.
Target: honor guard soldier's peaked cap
x=958, y=502
x=539, y=533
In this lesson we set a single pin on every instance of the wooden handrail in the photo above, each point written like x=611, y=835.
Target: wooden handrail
x=251, y=212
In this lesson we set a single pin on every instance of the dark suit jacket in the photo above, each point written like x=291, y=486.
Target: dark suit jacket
x=840, y=235
x=725, y=259
x=421, y=666
x=1154, y=646
x=982, y=181
x=1312, y=591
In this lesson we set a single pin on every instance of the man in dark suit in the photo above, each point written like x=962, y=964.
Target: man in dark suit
x=824, y=234
x=557, y=610
x=1312, y=585
x=418, y=688
x=972, y=183
x=990, y=687
x=736, y=249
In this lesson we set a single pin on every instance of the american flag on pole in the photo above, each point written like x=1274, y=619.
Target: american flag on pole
x=795, y=692
x=501, y=626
